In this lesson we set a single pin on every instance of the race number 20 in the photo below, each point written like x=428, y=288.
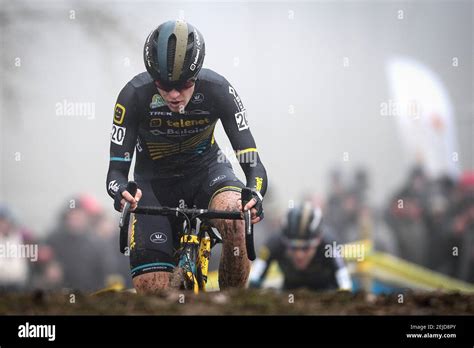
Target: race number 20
x=241, y=119
x=118, y=134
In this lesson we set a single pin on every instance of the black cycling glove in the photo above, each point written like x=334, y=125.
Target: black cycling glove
x=259, y=205
x=118, y=197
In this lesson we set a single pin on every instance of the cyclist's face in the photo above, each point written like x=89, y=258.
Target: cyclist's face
x=301, y=257
x=177, y=99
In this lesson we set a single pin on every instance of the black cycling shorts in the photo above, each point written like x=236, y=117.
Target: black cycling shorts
x=154, y=239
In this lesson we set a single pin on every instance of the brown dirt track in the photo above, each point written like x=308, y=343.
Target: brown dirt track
x=238, y=302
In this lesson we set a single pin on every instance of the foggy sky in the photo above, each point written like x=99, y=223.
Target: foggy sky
x=285, y=59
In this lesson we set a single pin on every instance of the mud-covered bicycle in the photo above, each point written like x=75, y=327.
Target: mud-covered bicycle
x=196, y=237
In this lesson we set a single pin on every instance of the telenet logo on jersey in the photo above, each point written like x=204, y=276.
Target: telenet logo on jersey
x=181, y=123
x=119, y=113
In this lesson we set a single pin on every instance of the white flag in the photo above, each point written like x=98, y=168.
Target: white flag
x=424, y=116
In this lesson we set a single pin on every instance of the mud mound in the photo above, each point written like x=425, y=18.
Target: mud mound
x=238, y=302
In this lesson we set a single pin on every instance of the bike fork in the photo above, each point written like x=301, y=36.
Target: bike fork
x=187, y=261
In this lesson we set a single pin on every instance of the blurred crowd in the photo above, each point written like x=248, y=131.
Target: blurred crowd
x=427, y=222
x=434, y=222
x=80, y=252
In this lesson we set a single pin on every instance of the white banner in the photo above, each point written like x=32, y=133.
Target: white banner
x=424, y=114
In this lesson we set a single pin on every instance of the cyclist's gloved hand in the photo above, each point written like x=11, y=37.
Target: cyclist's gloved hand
x=118, y=197
x=122, y=196
x=256, y=206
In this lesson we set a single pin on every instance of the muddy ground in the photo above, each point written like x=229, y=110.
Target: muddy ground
x=240, y=302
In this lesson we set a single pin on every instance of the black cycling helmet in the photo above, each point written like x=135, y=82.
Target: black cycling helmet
x=174, y=53
x=302, y=225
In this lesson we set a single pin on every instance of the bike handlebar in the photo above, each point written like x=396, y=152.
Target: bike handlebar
x=205, y=213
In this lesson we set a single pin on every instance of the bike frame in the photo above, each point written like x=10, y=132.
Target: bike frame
x=195, y=252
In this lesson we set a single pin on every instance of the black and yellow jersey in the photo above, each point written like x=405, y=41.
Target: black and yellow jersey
x=169, y=143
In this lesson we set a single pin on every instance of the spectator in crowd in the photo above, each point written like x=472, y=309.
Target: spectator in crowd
x=334, y=204
x=14, y=266
x=440, y=200
x=116, y=265
x=76, y=249
x=405, y=216
x=460, y=224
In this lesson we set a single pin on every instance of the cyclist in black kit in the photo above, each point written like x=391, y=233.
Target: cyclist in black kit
x=168, y=114
x=300, y=253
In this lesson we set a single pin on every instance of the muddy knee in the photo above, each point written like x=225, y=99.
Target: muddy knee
x=229, y=229
x=232, y=231
x=151, y=282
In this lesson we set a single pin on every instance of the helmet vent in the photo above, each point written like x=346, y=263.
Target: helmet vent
x=189, y=50
x=171, y=52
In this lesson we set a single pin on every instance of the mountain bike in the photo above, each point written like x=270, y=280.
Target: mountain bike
x=197, y=237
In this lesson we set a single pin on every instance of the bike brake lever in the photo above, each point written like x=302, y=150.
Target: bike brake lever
x=132, y=188
x=249, y=242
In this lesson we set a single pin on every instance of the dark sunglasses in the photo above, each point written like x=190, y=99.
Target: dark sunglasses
x=298, y=248
x=179, y=87
x=303, y=245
